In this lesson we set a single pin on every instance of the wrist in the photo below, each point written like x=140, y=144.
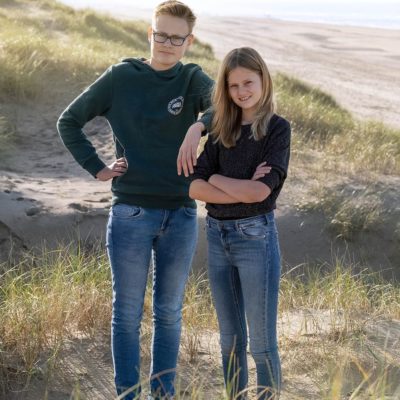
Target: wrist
x=198, y=127
x=213, y=179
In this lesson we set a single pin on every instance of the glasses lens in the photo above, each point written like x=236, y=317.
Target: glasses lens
x=177, y=40
x=160, y=37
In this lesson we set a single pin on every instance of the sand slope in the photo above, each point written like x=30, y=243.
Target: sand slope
x=46, y=197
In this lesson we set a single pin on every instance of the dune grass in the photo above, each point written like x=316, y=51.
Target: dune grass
x=58, y=295
x=62, y=294
x=347, y=210
x=318, y=122
x=55, y=43
x=7, y=134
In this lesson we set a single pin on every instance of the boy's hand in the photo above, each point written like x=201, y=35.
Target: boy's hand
x=117, y=168
x=261, y=170
x=187, y=156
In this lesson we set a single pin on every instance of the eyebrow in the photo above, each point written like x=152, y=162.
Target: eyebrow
x=174, y=34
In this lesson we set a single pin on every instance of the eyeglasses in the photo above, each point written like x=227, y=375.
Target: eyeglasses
x=174, y=40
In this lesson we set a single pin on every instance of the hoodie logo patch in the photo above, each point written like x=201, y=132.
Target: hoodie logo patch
x=175, y=106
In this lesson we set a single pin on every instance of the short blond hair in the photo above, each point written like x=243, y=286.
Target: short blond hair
x=176, y=9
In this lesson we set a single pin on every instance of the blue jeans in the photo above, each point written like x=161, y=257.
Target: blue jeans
x=133, y=234
x=244, y=273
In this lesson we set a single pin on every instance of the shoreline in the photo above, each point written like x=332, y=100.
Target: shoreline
x=357, y=65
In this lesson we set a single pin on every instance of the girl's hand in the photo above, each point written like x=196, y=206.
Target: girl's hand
x=117, y=168
x=261, y=170
x=187, y=156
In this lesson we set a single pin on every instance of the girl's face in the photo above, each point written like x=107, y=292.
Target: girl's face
x=245, y=89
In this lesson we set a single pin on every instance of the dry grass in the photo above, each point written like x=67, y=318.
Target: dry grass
x=329, y=315
x=319, y=123
x=347, y=210
x=326, y=315
x=55, y=42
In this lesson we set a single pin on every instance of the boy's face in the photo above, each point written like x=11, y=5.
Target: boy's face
x=166, y=55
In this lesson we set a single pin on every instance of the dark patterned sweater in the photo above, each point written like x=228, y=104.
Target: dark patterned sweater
x=241, y=161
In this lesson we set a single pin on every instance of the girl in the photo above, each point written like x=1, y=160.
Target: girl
x=239, y=175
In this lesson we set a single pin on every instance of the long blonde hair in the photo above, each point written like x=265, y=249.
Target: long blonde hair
x=227, y=117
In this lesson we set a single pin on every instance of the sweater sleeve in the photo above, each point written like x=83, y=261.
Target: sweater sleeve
x=94, y=101
x=207, y=163
x=276, y=154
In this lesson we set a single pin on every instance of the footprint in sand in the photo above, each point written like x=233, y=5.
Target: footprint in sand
x=79, y=207
x=32, y=211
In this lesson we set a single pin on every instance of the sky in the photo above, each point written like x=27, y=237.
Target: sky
x=384, y=13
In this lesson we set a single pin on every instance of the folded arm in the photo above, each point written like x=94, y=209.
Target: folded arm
x=244, y=190
x=204, y=191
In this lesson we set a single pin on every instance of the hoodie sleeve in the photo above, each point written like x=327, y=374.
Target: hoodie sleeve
x=208, y=161
x=203, y=86
x=94, y=101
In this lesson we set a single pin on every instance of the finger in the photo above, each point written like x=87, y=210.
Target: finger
x=194, y=155
x=185, y=167
x=179, y=162
x=260, y=165
x=263, y=170
x=189, y=160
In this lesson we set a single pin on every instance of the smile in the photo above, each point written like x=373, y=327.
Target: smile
x=244, y=98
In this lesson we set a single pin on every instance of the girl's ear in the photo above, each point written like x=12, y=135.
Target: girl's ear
x=149, y=33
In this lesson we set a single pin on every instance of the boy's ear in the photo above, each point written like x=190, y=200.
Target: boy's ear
x=191, y=39
x=149, y=32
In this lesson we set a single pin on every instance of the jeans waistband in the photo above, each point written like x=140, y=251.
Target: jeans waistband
x=236, y=224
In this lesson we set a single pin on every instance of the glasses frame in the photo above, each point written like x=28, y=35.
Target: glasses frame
x=171, y=38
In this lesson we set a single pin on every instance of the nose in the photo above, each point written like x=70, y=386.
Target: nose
x=168, y=43
x=241, y=90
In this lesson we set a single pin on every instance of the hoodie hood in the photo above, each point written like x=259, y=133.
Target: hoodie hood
x=140, y=65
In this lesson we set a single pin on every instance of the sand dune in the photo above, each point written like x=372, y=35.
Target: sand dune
x=45, y=195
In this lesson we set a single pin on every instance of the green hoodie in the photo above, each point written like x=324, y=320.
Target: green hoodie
x=149, y=112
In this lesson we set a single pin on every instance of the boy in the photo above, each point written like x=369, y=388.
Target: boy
x=149, y=104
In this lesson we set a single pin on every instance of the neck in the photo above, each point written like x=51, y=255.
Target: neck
x=158, y=67
x=248, y=117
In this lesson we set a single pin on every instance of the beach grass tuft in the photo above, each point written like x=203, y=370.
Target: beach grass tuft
x=55, y=296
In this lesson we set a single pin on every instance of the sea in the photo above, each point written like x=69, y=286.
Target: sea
x=368, y=13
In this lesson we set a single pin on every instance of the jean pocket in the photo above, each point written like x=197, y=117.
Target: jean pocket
x=190, y=212
x=121, y=210
x=255, y=232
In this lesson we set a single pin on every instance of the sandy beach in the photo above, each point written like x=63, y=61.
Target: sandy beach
x=358, y=66
x=47, y=199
